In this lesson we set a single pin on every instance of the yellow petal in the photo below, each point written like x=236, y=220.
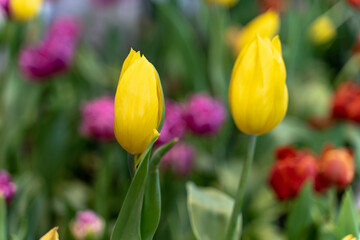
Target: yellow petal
x=138, y=105
x=130, y=59
x=265, y=25
x=322, y=30
x=225, y=3
x=349, y=237
x=258, y=94
x=51, y=235
x=24, y=10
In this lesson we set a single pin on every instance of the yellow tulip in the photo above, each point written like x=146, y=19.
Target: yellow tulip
x=349, y=237
x=322, y=30
x=265, y=25
x=24, y=10
x=258, y=93
x=51, y=235
x=138, y=104
x=225, y=3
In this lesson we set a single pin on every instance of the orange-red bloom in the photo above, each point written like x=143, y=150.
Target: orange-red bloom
x=356, y=47
x=346, y=102
x=354, y=3
x=276, y=5
x=291, y=170
x=336, y=166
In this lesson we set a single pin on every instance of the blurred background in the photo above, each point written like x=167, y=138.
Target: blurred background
x=59, y=68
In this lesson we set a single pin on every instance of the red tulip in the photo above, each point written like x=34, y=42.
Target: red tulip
x=291, y=170
x=354, y=3
x=336, y=166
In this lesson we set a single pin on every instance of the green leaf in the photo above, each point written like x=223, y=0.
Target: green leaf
x=2, y=218
x=162, y=103
x=152, y=200
x=347, y=222
x=127, y=226
x=299, y=218
x=210, y=211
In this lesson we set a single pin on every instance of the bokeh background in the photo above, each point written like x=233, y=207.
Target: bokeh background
x=58, y=77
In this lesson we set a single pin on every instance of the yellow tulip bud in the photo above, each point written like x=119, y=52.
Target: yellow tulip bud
x=349, y=237
x=51, y=235
x=225, y=3
x=322, y=30
x=138, y=104
x=265, y=25
x=258, y=93
x=24, y=10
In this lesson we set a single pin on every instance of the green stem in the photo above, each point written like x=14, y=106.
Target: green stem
x=332, y=204
x=3, y=234
x=131, y=165
x=241, y=188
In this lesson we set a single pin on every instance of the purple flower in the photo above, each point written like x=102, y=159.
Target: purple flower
x=54, y=54
x=4, y=4
x=204, y=114
x=7, y=186
x=98, y=119
x=179, y=159
x=174, y=123
x=87, y=224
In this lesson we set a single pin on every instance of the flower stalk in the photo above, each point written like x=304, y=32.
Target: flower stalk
x=239, y=198
x=131, y=165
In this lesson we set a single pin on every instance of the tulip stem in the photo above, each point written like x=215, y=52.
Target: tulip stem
x=131, y=165
x=241, y=188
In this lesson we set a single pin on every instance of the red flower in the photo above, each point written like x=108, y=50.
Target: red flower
x=354, y=3
x=356, y=47
x=291, y=170
x=276, y=5
x=346, y=102
x=336, y=166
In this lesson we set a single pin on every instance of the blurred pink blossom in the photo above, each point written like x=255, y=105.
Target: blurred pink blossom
x=174, y=123
x=87, y=224
x=54, y=54
x=4, y=4
x=98, y=119
x=204, y=114
x=7, y=186
x=179, y=159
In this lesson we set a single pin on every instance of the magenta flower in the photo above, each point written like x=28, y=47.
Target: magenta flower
x=179, y=159
x=174, y=123
x=204, y=114
x=54, y=54
x=98, y=119
x=87, y=224
x=4, y=4
x=7, y=186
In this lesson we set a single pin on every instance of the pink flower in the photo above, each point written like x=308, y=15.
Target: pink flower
x=98, y=119
x=179, y=159
x=174, y=123
x=7, y=186
x=4, y=4
x=87, y=224
x=54, y=54
x=204, y=114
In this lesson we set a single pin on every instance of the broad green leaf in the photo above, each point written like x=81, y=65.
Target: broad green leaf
x=127, y=226
x=299, y=218
x=210, y=211
x=2, y=218
x=347, y=222
x=152, y=200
